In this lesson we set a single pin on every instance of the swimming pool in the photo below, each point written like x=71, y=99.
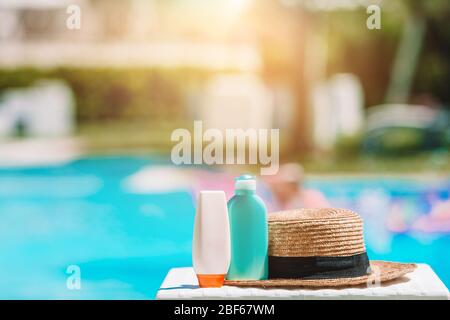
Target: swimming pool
x=124, y=243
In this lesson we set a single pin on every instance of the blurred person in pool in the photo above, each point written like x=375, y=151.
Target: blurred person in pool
x=288, y=192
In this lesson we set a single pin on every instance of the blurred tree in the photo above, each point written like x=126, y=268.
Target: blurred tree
x=433, y=72
x=409, y=54
x=283, y=42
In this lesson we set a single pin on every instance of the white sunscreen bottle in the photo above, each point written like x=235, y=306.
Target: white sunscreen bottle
x=211, y=243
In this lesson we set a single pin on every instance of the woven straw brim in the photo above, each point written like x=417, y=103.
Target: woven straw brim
x=382, y=271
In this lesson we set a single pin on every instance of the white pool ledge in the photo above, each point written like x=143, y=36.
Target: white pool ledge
x=423, y=283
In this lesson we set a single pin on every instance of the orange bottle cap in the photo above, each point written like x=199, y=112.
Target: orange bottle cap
x=210, y=280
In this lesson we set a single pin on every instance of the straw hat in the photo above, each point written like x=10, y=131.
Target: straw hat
x=321, y=248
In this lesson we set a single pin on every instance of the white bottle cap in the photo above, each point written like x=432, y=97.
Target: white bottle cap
x=245, y=182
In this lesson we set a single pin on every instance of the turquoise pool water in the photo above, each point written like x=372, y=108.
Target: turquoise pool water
x=124, y=243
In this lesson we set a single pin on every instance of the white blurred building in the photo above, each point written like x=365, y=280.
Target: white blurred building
x=338, y=110
x=237, y=101
x=123, y=33
x=44, y=109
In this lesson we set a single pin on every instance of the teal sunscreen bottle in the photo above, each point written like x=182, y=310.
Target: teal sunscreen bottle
x=248, y=231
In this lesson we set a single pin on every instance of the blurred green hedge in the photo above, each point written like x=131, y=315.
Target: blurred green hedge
x=110, y=94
